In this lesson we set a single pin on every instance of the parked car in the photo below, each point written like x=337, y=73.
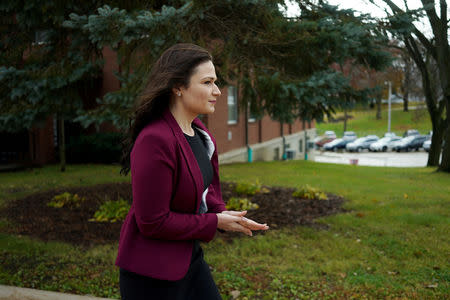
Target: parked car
x=336, y=144
x=410, y=142
x=361, y=143
x=389, y=134
x=349, y=135
x=328, y=136
x=384, y=144
x=427, y=145
x=322, y=141
x=328, y=133
x=411, y=132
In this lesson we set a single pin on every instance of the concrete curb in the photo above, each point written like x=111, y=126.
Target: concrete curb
x=17, y=293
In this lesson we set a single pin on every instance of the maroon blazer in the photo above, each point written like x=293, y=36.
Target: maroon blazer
x=157, y=235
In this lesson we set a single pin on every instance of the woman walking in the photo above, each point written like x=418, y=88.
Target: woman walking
x=177, y=200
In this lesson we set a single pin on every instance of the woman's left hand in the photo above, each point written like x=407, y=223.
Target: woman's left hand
x=235, y=213
x=250, y=224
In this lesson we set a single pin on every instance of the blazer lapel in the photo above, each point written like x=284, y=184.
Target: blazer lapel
x=211, y=146
x=193, y=166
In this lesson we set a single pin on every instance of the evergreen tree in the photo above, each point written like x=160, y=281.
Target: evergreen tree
x=280, y=66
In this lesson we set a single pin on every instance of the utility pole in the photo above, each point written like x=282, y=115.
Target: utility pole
x=389, y=106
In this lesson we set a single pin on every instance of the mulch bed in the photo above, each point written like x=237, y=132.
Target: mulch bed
x=31, y=216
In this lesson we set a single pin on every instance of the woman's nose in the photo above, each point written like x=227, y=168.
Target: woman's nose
x=216, y=91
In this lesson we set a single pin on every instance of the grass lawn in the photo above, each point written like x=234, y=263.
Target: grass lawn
x=393, y=242
x=365, y=123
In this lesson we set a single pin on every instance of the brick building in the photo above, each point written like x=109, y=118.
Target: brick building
x=227, y=124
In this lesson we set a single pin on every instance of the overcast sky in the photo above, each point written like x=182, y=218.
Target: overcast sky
x=366, y=7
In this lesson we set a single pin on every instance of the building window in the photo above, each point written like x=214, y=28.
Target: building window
x=276, y=154
x=232, y=105
x=251, y=115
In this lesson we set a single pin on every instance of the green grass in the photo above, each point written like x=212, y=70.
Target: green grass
x=365, y=123
x=393, y=241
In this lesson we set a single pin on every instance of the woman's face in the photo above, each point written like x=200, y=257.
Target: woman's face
x=201, y=95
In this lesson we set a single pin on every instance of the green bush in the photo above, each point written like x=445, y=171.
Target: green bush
x=235, y=203
x=248, y=189
x=94, y=148
x=66, y=200
x=308, y=192
x=111, y=211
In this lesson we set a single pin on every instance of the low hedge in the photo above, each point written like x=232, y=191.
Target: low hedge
x=94, y=148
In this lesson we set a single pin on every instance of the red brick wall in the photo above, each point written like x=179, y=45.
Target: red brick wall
x=253, y=132
x=219, y=127
x=110, y=82
x=41, y=143
x=269, y=129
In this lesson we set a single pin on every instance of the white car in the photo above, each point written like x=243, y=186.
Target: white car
x=389, y=134
x=427, y=145
x=384, y=144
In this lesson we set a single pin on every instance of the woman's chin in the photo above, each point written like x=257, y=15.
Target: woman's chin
x=210, y=110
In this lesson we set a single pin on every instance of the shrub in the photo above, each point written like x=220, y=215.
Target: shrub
x=111, y=211
x=94, y=148
x=66, y=200
x=308, y=192
x=235, y=203
x=248, y=189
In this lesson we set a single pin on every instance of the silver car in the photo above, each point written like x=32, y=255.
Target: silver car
x=349, y=136
x=361, y=143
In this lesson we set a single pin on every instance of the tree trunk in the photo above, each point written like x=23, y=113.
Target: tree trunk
x=435, y=149
x=406, y=84
x=405, y=100
x=445, y=162
x=441, y=55
x=378, y=115
x=434, y=110
x=283, y=140
x=345, y=119
x=62, y=144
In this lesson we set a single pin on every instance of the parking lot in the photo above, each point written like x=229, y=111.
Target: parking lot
x=386, y=159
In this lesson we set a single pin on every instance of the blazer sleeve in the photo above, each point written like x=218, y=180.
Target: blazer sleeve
x=153, y=163
x=214, y=197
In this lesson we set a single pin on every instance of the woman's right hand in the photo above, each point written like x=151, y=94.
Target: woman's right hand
x=229, y=222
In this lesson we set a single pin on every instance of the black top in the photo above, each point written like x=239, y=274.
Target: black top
x=198, y=146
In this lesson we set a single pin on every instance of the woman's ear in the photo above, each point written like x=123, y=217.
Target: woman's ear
x=177, y=91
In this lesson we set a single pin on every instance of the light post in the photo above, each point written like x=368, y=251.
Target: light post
x=389, y=105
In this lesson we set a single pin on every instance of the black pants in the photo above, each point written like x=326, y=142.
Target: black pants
x=197, y=284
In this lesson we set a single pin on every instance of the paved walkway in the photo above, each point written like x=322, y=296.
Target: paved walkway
x=380, y=159
x=16, y=293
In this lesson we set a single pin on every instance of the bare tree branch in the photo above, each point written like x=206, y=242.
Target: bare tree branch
x=418, y=33
x=443, y=10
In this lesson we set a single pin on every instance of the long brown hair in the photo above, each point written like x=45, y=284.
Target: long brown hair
x=173, y=69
